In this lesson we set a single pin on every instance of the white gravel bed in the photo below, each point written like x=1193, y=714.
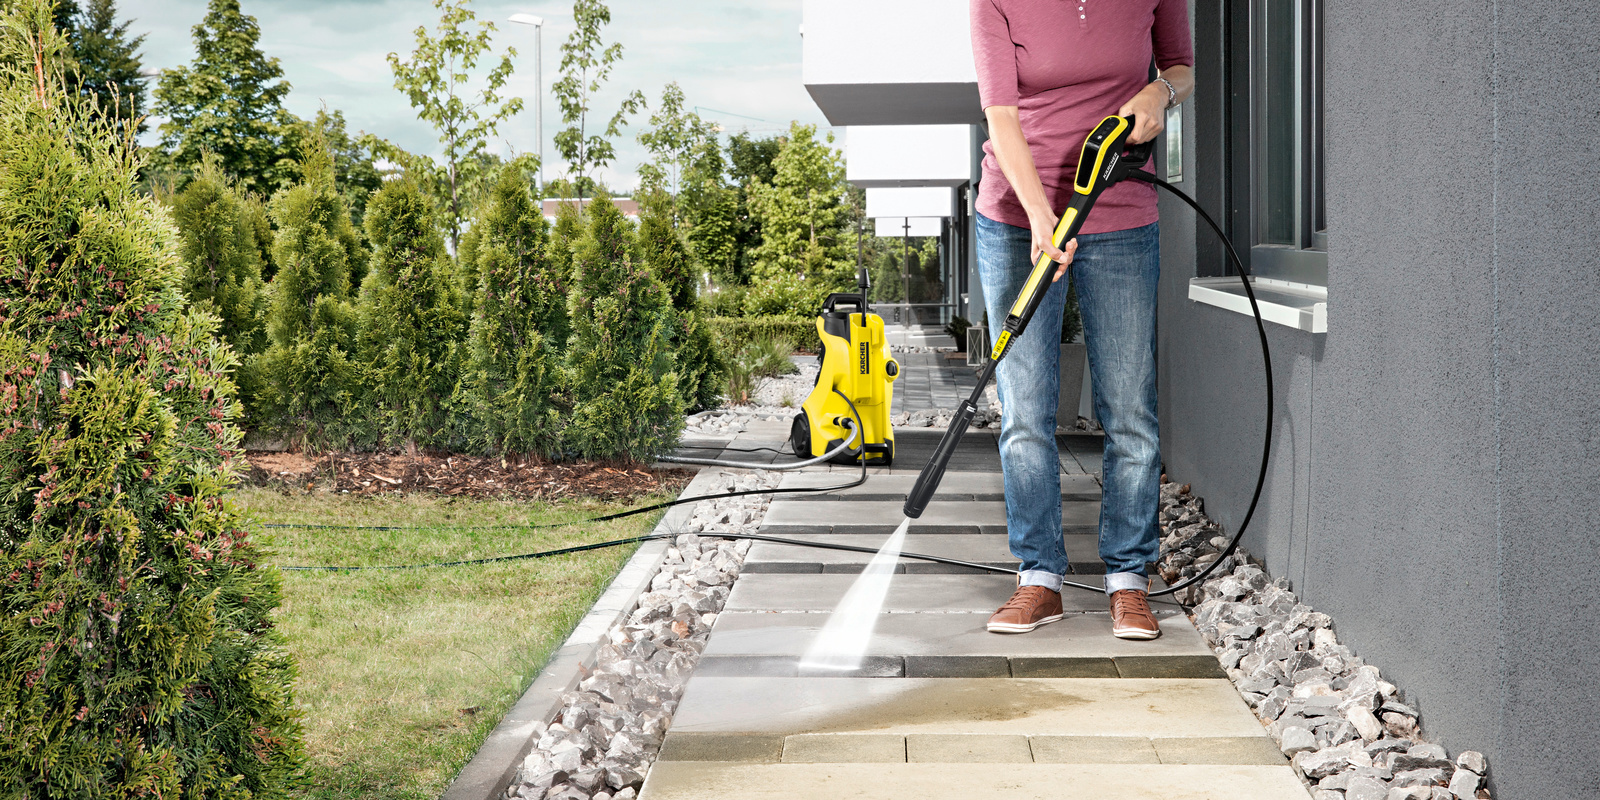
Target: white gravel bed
x=1351, y=734
x=607, y=735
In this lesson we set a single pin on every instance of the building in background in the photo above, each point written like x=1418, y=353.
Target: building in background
x=1414, y=191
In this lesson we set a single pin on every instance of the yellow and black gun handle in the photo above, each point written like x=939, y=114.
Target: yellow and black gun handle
x=1096, y=166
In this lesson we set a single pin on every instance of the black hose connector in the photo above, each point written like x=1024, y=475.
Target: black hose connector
x=928, y=480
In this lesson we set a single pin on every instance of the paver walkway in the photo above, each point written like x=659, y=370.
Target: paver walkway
x=941, y=707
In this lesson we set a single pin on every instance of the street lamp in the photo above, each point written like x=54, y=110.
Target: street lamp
x=538, y=86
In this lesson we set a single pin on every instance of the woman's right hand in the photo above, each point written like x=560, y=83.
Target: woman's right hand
x=1043, y=226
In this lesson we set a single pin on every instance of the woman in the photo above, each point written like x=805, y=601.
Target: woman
x=1048, y=72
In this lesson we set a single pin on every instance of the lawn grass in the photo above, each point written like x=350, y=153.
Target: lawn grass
x=403, y=673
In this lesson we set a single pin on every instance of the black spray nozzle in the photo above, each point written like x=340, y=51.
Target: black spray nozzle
x=928, y=481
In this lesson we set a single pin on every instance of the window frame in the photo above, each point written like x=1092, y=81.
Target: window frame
x=1303, y=260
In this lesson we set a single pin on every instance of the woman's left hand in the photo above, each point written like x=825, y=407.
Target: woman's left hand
x=1149, y=111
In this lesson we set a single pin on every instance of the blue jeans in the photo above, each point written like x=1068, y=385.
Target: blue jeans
x=1115, y=275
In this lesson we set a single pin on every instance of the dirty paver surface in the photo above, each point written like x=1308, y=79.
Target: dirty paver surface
x=939, y=706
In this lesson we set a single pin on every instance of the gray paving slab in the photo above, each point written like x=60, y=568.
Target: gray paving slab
x=831, y=748
x=998, y=706
x=987, y=549
x=1219, y=750
x=1094, y=750
x=956, y=634
x=946, y=748
x=907, y=593
x=939, y=512
x=733, y=781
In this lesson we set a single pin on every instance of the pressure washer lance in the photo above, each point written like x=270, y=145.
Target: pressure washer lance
x=1106, y=160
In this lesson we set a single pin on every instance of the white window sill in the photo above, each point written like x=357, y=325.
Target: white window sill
x=1294, y=305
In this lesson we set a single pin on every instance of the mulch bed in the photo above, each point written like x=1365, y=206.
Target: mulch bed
x=459, y=476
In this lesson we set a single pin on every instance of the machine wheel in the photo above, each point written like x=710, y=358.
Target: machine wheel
x=800, y=436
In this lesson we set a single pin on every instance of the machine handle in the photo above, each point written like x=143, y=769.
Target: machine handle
x=855, y=301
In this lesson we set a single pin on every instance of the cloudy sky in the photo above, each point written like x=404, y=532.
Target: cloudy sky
x=738, y=57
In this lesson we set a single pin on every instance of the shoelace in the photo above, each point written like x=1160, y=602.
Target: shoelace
x=1022, y=598
x=1120, y=602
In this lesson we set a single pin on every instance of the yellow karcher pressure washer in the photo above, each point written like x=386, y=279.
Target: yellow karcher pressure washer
x=855, y=365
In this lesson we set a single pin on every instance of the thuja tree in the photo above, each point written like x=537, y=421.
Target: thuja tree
x=139, y=656
x=409, y=319
x=512, y=371
x=700, y=371
x=222, y=264
x=309, y=380
x=620, y=364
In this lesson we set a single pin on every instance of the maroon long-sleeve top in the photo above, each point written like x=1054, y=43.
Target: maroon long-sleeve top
x=1066, y=65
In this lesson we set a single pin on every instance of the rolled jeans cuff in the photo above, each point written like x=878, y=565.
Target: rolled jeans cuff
x=1039, y=577
x=1117, y=581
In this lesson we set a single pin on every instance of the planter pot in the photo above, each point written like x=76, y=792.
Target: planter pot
x=1074, y=363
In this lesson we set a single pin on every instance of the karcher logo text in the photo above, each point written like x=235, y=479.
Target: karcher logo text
x=863, y=358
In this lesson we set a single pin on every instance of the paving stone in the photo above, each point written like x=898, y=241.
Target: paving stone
x=1078, y=636
x=939, y=512
x=929, y=593
x=1015, y=706
x=720, y=747
x=1219, y=750
x=844, y=748
x=1049, y=667
x=1093, y=750
x=956, y=666
x=1153, y=666
x=698, y=781
x=938, y=748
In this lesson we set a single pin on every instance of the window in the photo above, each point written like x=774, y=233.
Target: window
x=1288, y=225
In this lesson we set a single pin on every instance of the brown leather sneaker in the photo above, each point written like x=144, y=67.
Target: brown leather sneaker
x=1131, y=617
x=1028, y=608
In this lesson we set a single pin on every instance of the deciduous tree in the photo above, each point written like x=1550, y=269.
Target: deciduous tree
x=586, y=65
x=437, y=81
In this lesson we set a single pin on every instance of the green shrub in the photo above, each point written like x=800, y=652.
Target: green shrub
x=769, y=357
x=506, y=402
x=957, y=329
x=699, y=366
x=620, y=363
x=732, y=333
x=410, y=320
x=310, y=382
x=139, y=655
x=222, y=265
x=784, y=295
x=724, y=301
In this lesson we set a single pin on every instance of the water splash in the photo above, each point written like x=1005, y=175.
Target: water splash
x=843, y=640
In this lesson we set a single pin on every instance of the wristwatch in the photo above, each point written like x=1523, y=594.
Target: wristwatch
x=1172, y=93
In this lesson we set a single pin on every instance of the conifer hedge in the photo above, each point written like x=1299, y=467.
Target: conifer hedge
x=511, y=377
x=222, y=264
x=620, y=362
x=310, y=381
x=701, y=368
x=137, y=655
x=410, y=320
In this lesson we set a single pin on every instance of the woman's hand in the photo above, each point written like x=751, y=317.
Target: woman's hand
x=1043, y=226
x=1149, y=111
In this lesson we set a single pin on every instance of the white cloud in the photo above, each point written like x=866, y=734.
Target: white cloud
x=739, y=56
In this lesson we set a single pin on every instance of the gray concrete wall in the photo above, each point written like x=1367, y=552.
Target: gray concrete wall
x=1437, y=450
